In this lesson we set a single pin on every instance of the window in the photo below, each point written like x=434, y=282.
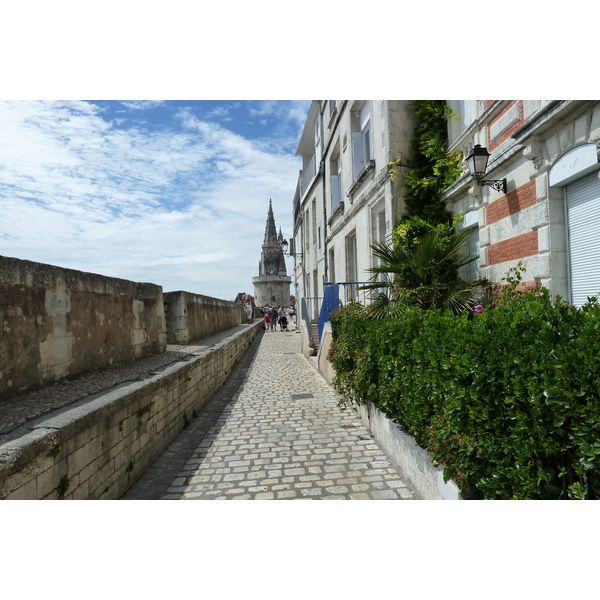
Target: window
x=318, y=137
x=378, y=227
x=471, y=222
x=361, y=140
x=307, y=236
x=351, y=264
x=331, y=266
x=467, y=112
x=336, y=183
x=473, y=248
x=331, y=107
x=583, y=223
x=314, y=221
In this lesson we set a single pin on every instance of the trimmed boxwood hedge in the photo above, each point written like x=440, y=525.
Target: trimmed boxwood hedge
x=508, y=401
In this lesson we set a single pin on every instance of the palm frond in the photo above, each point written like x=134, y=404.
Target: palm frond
x=424, y=275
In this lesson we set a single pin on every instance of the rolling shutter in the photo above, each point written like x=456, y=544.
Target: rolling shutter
x=583, y=222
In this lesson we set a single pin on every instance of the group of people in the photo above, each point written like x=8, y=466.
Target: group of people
x=272, y=315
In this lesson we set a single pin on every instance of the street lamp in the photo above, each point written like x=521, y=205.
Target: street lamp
x=477, y=161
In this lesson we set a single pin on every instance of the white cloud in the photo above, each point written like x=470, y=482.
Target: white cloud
x=141, y=104
x=184, y=208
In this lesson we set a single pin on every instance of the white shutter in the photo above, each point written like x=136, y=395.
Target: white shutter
x=358, y=162
x=583, y=221
x=336, y=191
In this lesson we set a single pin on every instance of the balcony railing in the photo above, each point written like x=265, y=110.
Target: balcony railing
x=313, y=305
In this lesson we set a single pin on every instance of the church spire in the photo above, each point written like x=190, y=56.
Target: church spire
x=270, y=229
x=272, y=261
x=272, y=286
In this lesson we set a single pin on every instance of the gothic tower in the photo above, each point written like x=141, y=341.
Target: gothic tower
x=272, y=286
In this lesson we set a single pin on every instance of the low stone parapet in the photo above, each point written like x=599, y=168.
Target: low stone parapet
x=191, y=316
x=98, y=449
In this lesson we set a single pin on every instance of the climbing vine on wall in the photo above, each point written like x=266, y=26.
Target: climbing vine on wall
x=430, y=168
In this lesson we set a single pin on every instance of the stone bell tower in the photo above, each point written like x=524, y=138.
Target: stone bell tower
x=272, y=286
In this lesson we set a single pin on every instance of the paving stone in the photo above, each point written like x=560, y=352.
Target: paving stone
x=384, y=495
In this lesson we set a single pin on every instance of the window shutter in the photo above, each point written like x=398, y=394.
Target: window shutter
x=358, y=162
x=336, y=192
x=583, y=218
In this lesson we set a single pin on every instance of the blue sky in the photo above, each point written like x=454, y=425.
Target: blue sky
x=168, y=192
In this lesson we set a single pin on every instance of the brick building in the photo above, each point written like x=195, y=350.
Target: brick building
x=549, y=216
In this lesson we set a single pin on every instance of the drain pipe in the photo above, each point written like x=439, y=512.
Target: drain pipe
x=325, y=262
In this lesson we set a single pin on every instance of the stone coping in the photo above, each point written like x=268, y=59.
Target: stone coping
x=19, y=412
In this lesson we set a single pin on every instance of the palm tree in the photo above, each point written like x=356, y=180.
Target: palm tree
x=424, y=275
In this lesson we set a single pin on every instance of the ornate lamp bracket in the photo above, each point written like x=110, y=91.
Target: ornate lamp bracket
x=497, y=184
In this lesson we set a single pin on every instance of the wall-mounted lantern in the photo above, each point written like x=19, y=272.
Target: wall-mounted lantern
x=477, y=161
x=285, y=245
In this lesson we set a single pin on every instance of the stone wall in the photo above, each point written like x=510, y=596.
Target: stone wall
x=98, y=449
x=59, y=323
x=272, y=290
x=191, y=316
x=404, y=452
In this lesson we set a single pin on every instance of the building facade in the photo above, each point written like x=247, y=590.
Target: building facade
x=345, y=200
x=549, y=217
x=272, y=285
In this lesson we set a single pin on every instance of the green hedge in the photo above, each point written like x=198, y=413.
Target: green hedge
x=508, y=401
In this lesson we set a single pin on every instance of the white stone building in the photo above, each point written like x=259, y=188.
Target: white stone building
x=345, y=200
x=549, y=216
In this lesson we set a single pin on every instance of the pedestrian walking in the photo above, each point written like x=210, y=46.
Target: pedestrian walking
x=274, y=316
x=282, y=319
x=249, y=312
x=267, y=320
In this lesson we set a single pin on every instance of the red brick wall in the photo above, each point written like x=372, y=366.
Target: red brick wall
x=508, y=132
x=496, y=290
x=512, y=203
x=513, y=248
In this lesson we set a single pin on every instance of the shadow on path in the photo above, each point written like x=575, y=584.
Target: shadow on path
x=157, y=478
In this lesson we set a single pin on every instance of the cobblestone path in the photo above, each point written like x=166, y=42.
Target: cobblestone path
x=275, y=433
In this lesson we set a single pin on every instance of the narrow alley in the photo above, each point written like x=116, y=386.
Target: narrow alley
x=274, y=431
